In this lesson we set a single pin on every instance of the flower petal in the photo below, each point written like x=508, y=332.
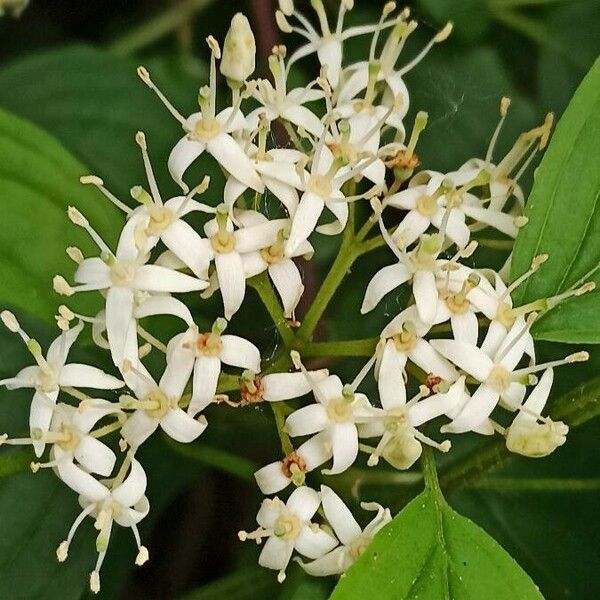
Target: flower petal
x=83, y=376
x=392, y=391
x=431, y=361
x=94, y=456
x=465, y=327
x=315, y=451
x=339, y=516
x=234, y=160
x=232, y=281
x=133, y=488
x=40, y=415
x=383, y=282
x=288, y=283
x=206, y=376
x=270, y=478
x=180, y=426
x=182, y=156
x=303, y=502
x=438, y=404
x=59, y=348
x=276, y=553
x=238, y=352
x=344, y=444
x=81, y=482
x=307, y=420
x=332, y=563
x=426, y=295
x=476, y=411
x=153, y=278
x=187, y=245
x=286, y=386
x=304, y=220
x=119, y=311
x=314, y=543
x=138, y=428
x=468, y=358
x=302, y=116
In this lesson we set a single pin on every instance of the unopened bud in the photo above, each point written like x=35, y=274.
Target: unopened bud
x=239, y=50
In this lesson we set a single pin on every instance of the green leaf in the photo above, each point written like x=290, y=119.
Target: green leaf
x=431, y=552
x=246, y=584
x=39, y=179
x=564, y=221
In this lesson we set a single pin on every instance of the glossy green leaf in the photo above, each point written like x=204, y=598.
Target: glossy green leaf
x=39, y=179
x=564, y=221
x=431, y=552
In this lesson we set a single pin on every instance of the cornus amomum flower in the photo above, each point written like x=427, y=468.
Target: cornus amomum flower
x=530, y=434
x=51, y=374
x=458, y=353
x=337, y=411
x=208, y=131
x=120, y=275
x=205, y=353
x=288, y=527
x=120, y=500
x=353, y=540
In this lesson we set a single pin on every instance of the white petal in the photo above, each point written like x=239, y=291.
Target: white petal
x=339, y=207
x=288, y=283
x=438, y=404
x=285, y=193
x=330, y=388
x=286, y=386
x=232, y=281
x=426, y=357
x=180, y=426
x=269, y=512
x=119, y=311
x=314, y=543
x=494, y=338
x=81, y=482
x=307, y=420
x=426, y=295
x=270, y=478
x=163, y=305
x=231, y=156
x=537, y=399
x=329, y=52
x=93, y=271
x=85, y=419
x=177, y=372
x=468, y=358
x=344, y=443
x=238, y=352
x=465, y=327
x=276, y=553
x=332, y=563
x=206, y=376
x=456, y=228
x=302, y=116
x=304, y=220
x=95, y=456
x=303, y=502
x=254, y=264
x=407, y=199
x=476, y=411
x=133, y=488
x=517, y=341
x=138, y=428
x=354, y=84
x=40, y=415
x=383, y=282
x=59, y=348
x=315, y=451
x=392, y=391
x=410, y=228
x=259, y=236
x=512, y=397
x=233, y=190
x=182, y=156
x=83, y=376
x=187, y=245
x=498, y=220
x=153, y=278
x=339, y=516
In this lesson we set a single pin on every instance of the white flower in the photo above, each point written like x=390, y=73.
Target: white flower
x=157, y=405
x=226, y=246
x=499, y=378
x=205, y=353
x=354, y=540
x=208, y=131
x=337, y=411
x=528, y=437
x=122, y=275
x=239, y=50
x=120, y=500
x=327, y=44
x=287, y=527
x=50, y=375
x=278, y=103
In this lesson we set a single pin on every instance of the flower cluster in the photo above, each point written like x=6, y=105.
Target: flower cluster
x=460, y=350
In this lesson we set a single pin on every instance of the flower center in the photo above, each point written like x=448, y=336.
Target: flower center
x=458, y=304
x=273, y=254
x=208, y=344
x=427, y=205
x=358, y=546
x=505, y=316
x=287, y=527
x=292, y=464
x=223, y=242
x=70, y=440
x=339, y=410
x=251, y=392
x=122, y=273
x=402, y=450
x=320, y=185
x=499, y=378
x=405, y=341
x=47, y=381
x=206, y=128
x=160, y=218
x=161, y=403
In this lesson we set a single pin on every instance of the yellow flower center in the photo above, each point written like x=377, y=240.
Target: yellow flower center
x=161, y=402
x=339, y=410
x=499, y=378
x=160, y=218
x=223, y=242
x=122, y=273
x=287, y=527
x=320, y=185
x=206, y=128
x=208, y=344
x=427, y=205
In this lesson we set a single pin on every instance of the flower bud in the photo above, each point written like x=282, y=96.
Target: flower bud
x=239, y=50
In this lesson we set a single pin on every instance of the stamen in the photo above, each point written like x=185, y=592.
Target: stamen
x=362, y=373
x=441, y=36
x=320, y=10
x=504, y=104
x=97, y=182
x=571, y=358
x=536, y=263
x=140, y=139
x=62, y=552
x=145, y=77
x=77, y=218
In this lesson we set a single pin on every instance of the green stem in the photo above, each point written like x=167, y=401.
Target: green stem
x=496, y=244
x=364, y=347
x=574, y=408
x=263, y=287
x=551, y=484
x=156, y=28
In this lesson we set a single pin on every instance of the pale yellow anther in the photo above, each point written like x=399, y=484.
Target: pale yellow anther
x=144, y=350
x=538, y=261
x=504, y=104
x=214, y=46
x=142, y=556
x=444, y=33
x=144, y=75
x=388, y=8
x=546, y=129
x=76, y=217
x=590, y=286
x=140, y=139
x=287, y=7
x=520, y=222
x=3, y=438
x=445, y=446
x=295, y=356
x=62, y=552
x=34, y=466
x=75, y=254
x=242, y=535
x=578, y=357
x=122, y=445
x=282, y=22
x=95, y=582
x=91, y=180
x=10, y=321
x=60, y=285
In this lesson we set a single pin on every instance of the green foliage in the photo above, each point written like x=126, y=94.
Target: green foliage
x=564, y=221
x=430, y=552
x=39, y=179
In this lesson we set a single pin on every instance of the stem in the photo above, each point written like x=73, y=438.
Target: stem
x=574, y=408
x=551, y=484
x=496, y=244
x=156, y=28
x=263, y=287
x=364, y=347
